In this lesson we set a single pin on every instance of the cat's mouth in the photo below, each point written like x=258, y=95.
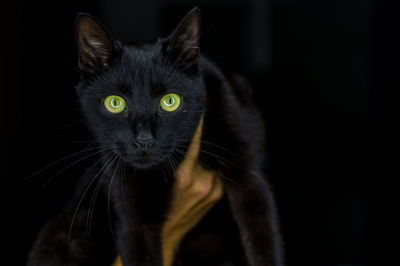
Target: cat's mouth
x=143, y=160
x=140, y=159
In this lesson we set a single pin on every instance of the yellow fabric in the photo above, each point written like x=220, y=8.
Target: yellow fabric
x=117, y=261
x=195, y=191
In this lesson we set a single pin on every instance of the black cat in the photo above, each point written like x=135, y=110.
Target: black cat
x=143, y=103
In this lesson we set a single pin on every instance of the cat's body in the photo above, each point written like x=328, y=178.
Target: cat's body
x=133, y=202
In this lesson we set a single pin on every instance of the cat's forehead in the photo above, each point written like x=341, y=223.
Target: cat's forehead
x=143, y=56
x=143, y=63
x=142, y=68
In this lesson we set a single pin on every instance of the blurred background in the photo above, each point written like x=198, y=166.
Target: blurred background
x=315, y=65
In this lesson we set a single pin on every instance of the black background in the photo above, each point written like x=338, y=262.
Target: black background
x=319, y=69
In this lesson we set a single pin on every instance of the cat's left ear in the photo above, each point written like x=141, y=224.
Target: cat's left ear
x=184, y=41
x=94, y=44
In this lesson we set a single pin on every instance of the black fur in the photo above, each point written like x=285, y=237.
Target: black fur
x=134, y=198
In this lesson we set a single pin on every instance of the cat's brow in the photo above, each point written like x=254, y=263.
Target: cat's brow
x=125, y=89
x=157, y=90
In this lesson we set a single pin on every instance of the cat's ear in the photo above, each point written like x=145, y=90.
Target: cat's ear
x=94, y=44
x=184, y=41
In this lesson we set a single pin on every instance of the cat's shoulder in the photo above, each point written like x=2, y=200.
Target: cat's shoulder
x=229, y=82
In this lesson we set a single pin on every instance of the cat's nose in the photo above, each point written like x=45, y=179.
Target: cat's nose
x=144, y=140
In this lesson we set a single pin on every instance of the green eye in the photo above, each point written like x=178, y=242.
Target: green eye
x=170, y=102
x=114, y=104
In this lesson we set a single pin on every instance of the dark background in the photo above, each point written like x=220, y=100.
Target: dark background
x=316, y=65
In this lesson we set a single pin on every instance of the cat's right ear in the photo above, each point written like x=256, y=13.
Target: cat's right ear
x=94, y=44
x=183, y=44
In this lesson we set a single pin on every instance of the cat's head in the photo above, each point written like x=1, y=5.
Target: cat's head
x=144, y=101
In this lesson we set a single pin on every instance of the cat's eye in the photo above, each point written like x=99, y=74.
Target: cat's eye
x=170, y=102
x=114, y=104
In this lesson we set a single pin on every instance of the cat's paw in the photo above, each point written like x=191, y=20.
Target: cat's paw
x=56, y=246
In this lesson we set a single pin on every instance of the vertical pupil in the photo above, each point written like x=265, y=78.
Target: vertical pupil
x=115, y=102
x=170, y=100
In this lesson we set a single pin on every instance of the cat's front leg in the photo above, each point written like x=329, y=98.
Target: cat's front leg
x=139, y=244
x=140, y=208
x=63, y=241
x=254, y=210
